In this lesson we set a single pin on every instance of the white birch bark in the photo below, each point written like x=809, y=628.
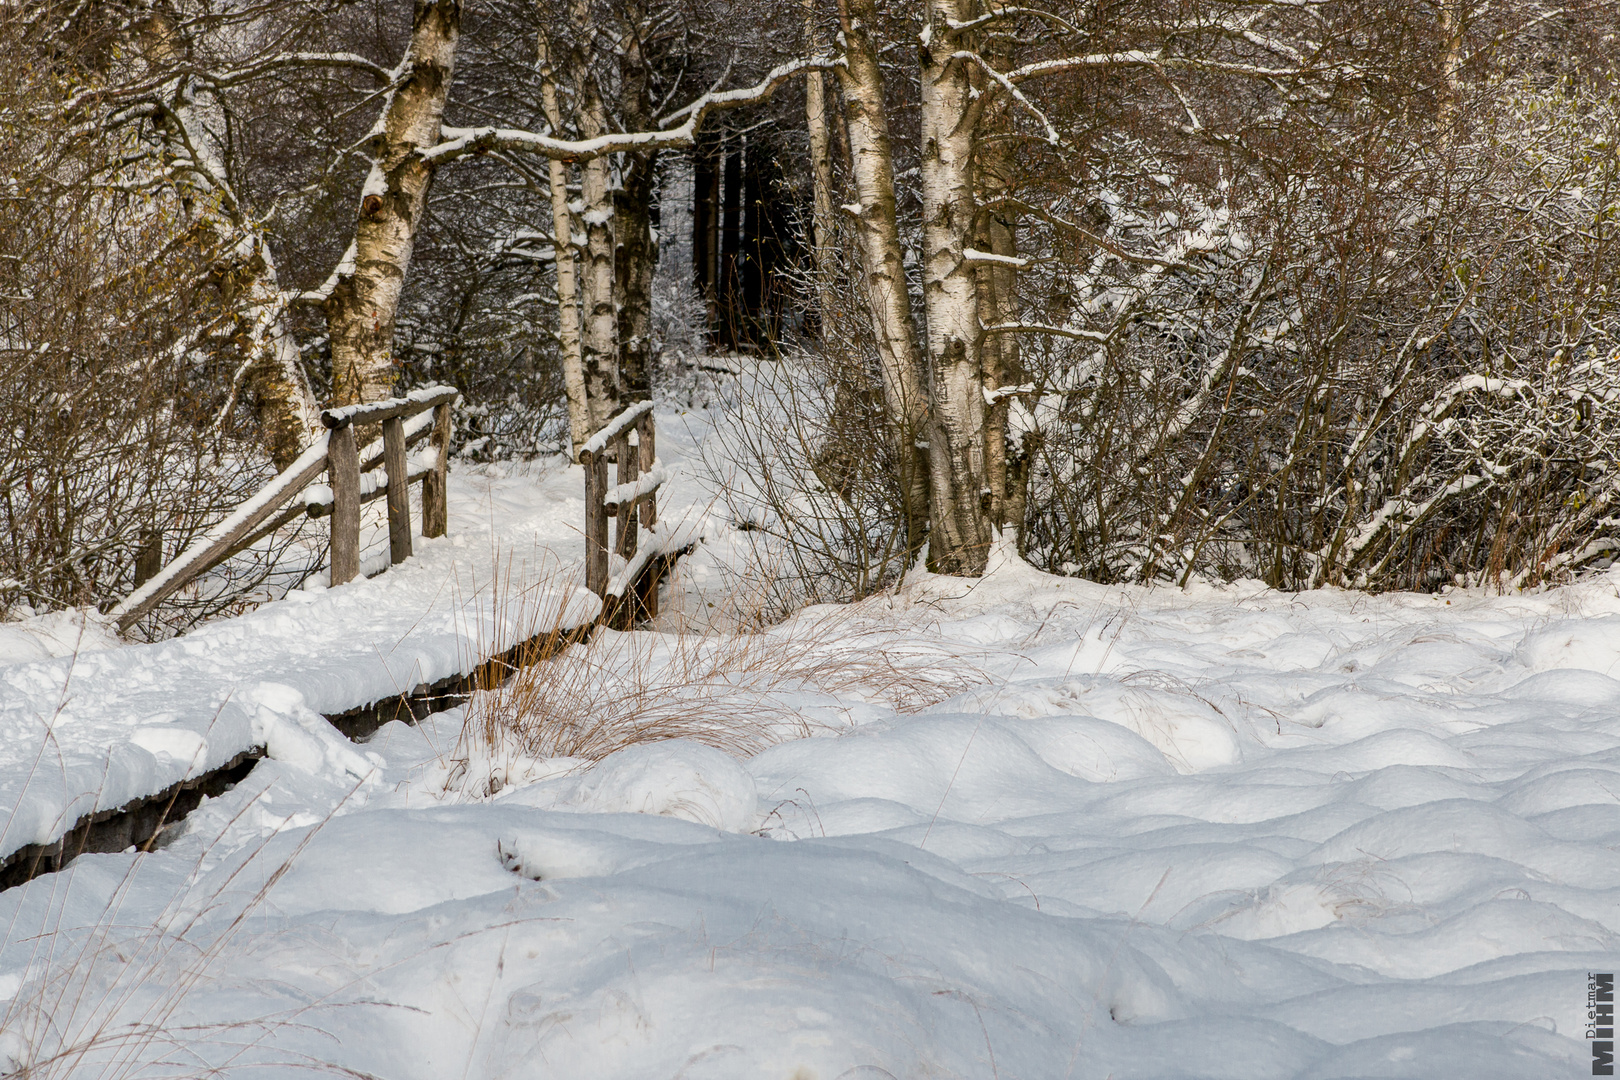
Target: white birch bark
x=599, y=354
x=364, y=300
x=888, y=300
x=579, y=414
x=961, y=499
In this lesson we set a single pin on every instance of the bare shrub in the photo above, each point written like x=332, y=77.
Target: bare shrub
x=118, y=430
x=1386, y=371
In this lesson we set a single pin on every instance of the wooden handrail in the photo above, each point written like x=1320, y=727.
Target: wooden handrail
x=631, y=500
x=335, y=453
x=370, y=412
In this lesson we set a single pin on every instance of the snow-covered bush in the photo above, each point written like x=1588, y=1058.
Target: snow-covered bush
x=1389, y=370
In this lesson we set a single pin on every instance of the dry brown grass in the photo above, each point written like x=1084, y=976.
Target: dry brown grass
x=737, y=691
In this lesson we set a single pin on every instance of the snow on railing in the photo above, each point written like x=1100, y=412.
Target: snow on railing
x=640, y=488
x=615, y=428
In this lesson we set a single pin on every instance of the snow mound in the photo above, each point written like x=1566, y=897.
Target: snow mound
x=674, y=778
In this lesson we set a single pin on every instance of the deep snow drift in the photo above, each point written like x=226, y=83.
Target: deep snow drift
x=1163, y=833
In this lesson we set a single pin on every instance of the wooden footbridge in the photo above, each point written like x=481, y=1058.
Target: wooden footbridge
x=387, y=467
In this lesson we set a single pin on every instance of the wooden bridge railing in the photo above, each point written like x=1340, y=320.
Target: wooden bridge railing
x=632, y=593
x=420, y=415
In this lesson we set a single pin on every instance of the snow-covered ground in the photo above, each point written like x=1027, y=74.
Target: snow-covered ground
x=1151, y=833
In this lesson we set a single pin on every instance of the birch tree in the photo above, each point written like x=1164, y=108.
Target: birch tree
x=361, y=298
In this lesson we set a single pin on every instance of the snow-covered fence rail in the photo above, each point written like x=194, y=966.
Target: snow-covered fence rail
x=421, y=414
x=632, y=593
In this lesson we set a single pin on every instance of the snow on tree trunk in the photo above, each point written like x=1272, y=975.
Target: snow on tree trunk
x=283, y=402
x=599, y=354
x=361, y=308
x=884, y=273
x=962, y=502
x=998, y=306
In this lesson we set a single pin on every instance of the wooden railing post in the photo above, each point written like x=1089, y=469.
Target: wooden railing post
x=149, y=558
x=646, y=591
x=343, y=469
x=646, y=436
x=624, y=531
x=596, y=527
x=435, y=502
x=399, y=490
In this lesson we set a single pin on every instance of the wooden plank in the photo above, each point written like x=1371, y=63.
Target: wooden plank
x=223, y=538
x=373, y=458
x=435, y=494
x=324, y=509
x=375, y=411
x=290, y=514
x=399, y=491
x=624, y=527
x=344, y=474
x=596, y=524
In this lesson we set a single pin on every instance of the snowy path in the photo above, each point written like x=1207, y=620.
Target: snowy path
x=92, y=731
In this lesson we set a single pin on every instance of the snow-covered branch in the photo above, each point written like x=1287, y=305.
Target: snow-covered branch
x=459, y=142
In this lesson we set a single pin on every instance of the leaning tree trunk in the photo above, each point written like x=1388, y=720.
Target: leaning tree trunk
x=889, y=303
x=283, y=402
x=282, y=399
x=961, y=498
x=365, y=298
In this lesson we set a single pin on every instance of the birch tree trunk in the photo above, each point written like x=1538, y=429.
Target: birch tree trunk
x=637, y=258
x=815, y=122
x=961, y=498
x=889, y=303
x=579, y=414
x=1006, y=467
x=599, y=356
x=365, y=298
x=282, y=399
